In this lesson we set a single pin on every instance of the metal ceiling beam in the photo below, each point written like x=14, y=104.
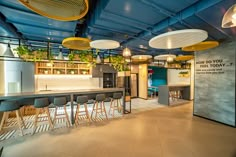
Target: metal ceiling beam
x=9, y=28
x=156, y=7
x=230, y=37
x=190, y=11
x=44, y=27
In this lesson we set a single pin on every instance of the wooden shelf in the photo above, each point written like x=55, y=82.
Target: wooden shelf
x=59, y=68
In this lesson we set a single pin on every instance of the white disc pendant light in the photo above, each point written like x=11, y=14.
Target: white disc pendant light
x=178, y=39
x=104, y=44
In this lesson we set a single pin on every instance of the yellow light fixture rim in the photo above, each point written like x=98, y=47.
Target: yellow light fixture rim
x=71, y=18
x=141, y=57
x=184, y=58
x=70, y=43
x=201, y=46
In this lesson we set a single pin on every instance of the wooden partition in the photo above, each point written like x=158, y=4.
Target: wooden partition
x=143, y=81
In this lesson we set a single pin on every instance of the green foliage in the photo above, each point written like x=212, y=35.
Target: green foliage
x=84, y=55
x=23, y=50
x=119, y=63
x=183, y=72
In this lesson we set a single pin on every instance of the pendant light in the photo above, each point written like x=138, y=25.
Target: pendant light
x=60, y=55
x=126, y=52
x=229, y=19
x=62, y=10
x=8, y=52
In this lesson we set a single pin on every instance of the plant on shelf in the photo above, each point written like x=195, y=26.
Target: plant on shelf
x=24, y=52
x=71, y=71
x=40, y=54
x=81, y=55
x=71, y=57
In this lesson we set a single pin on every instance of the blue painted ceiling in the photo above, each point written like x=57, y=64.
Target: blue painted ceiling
x=131, y=22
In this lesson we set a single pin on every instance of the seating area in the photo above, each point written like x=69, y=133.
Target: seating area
x=54, y=113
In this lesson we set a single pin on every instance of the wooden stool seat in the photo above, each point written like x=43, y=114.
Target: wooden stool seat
x=61, y=102
x=115, y=103
x=41, y=105
x=81, y=100
x=9, y=106
x=99, y=102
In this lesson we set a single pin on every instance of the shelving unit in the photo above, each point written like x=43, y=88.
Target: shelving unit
x=62, y=68
x=109, y=80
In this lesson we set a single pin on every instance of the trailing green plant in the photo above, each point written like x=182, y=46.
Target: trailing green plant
x=24, y=52
x=39, y=54
x=118, y=63
x=84, y=55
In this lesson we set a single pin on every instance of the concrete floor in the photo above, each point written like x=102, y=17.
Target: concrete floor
x=161, y=132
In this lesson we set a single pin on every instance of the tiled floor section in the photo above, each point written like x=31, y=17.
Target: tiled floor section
x=138, y=105
x=162, y=132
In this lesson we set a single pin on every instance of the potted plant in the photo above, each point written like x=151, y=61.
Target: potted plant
x=40, y=54
x=24, y=52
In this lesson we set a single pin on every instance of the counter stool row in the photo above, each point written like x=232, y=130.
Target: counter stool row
x=42, y=104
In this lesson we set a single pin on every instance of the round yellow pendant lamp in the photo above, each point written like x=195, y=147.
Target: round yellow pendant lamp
x=184, y=58
x=62, y=10
x=76, y=43
x=201, y=46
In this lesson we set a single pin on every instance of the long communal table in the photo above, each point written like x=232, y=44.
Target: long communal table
x=28, y=97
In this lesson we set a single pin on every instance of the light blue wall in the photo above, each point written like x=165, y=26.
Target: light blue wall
x=215, y=83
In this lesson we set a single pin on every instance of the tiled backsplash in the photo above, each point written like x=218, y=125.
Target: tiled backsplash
x=65, y=82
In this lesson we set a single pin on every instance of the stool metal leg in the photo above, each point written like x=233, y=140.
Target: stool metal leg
x=19, y=121
x=86, y=110
x=67, y=117
x=22, y=120
x=104, y=109
x=94, y=104
x=49, y=118
x=55, y=116
x=3, y=120
x=77, y=115
x=109, y=112
x=96, y=108
x=36, y=120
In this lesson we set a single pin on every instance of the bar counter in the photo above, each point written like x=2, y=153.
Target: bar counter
x=29, y=96
x=5, y=96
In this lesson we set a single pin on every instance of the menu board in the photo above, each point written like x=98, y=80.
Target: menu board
x=214, y=89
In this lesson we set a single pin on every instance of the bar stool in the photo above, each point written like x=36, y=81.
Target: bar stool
x=61, y=102
x=99, y=101
x=8, y=106
x=81, y=100
x=115, y=103
x=41, y=105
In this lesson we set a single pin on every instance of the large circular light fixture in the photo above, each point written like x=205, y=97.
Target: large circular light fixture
x=201, y=46
x=184, y=57
x=164, y=57
x=76, y=43
x=63, y=10
x=178, y=39
x=104, y=44
x=141, y=57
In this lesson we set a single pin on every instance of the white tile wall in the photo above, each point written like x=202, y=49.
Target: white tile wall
x=65, y=82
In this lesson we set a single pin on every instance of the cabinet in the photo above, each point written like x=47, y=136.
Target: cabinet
x=60, y=68
x=109, y=80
